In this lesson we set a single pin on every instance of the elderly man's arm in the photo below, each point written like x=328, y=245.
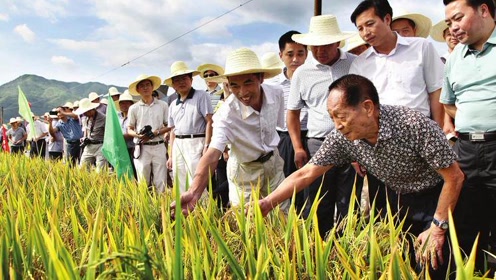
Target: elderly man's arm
x=296, y=182
x=453, y=181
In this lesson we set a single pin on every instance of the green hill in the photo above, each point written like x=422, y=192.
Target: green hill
x=44, y=94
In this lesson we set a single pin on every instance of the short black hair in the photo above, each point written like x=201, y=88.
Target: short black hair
x=477, y=3
x=356, y=89
x=381, y=9
x=286, y=39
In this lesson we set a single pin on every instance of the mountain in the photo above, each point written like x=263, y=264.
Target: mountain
x=44, y=94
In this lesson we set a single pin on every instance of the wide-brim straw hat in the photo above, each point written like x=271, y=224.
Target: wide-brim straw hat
x=210, y=67
x=68, y=105
x=126, y=97
x=423, y=24
x=93, y=96
x=85, y=105
x=19, y=119
x=271, y=60
x=244, y=61
x=104, y=101
x=179, y=68
x=354, y=42
x=324, y=30
x=75, y=104
x=156, y=82
x=13, y=120
x=113, y=91
x=437, y=31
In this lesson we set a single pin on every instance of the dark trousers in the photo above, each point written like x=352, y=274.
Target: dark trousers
x=475, y=212
x=130, y=151
x=55, y=155
x=73, y=152
x=286, y=151
x=220, y=185
x=38, y=148
x=16, y=149
x=337, y=185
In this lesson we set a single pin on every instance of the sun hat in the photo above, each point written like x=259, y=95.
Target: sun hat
x=324, y=30
x=422, y=23
x=210, y=67
x=104, y=101
x=156, y=82
x=113, y=91
x=85, y=105
x=75, y=104
x=271, y=60
x=19, y=119
x=93, y=96
x=179, y=68
x=437, y=31
x=126, y=97
x=68, y=105
x=354, y=42
x=12, y=120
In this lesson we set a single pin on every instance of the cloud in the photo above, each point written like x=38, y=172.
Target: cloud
x=4, y=17
x=25, y=32
x=63, y=61
x=51, y=9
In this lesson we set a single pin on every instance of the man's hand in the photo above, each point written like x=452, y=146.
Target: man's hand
x=265, y=206
x=360, y=170
x=169, y=163
x=188, y=202
x=429, y=247
x=301, y=158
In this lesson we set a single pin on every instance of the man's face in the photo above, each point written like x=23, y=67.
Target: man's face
x=451, y=41
x=145, y=87
x=247, y=89
x=124, y=105
x=208, y=74
x=465, y=23
x=325, y=54
x=372, y=28
x=353, y=123
x=404, y=27
x=115, y=97
x=182, y=83
x=293, y=55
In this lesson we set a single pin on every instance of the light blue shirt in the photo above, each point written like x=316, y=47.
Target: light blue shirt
x=470, y=84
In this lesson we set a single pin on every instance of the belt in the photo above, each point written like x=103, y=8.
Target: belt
x=478, y=136
x=73, y=142
x=186, y=136
x=94, y=142
x=264, y=158
x=317, y=138
x=154, y=143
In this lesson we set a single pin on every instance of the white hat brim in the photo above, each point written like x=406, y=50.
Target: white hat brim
x=437, y=31
x=212, y=67
x=168, y=80
x=311, y=39
x=268, y=73
x=156, y=81
x=82, y=110
x=423, y=24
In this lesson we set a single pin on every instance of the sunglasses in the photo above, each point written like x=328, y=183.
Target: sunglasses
x=207, y=75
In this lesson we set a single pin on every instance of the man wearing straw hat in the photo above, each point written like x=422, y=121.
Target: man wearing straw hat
x=55, y=140
x=216, y=93
x=411, y=24
x=440, y=32
x=190, y=115
x=38, y=138
x=95, y=98
x=93, y=133
x=309, y=89
x=17, y=135
x=148, y=124
x=68, y=124
x=247, y=122
x=356, y=45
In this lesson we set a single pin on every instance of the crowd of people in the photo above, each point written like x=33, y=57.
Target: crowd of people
x=311, y=122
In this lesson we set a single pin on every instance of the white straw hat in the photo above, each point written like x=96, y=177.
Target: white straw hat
x=93, y=96
x=437, y=31
x=85, y=105
x=156, y=82
x=19, y=119
x=422, y=23
x=324, y=30
x=75, y=104
x=210, y=67
x=126, y=97
x=271, y=60
x=179, y=68
x=68, y=105
x=104, y=101
x=354, y=42
x=13, y=120
x=113, y=91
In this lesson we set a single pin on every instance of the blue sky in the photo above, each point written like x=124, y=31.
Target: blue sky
x=82, y=41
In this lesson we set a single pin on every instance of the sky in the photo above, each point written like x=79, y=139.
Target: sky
x=114, y=41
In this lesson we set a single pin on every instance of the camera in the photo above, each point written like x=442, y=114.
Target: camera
x=84, y=143
x=147, y=131
x=53, y=113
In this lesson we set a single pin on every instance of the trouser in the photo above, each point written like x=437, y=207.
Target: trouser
x=335, y=186
x=287, y=153
x=220, y=184
x=130, y=151
x=92, y=155
x=38, y=148
x=73, y=150
x=152, y=160
x=254, y=176
x=475, y=212
x=16, y=149
x=55, y=155
x=186, y=154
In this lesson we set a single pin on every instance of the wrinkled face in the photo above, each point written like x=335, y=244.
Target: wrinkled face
x=145, y=87
x=465, y=22
x=404, y=27
x=182, y=83
x=247, y=89
x=353, y=123
x=208, y=74
x=451, y=41
x=326, y=54
x=293, y=55
x=372, y=28
x=124, y=105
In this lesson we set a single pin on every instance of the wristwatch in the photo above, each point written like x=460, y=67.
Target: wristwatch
x=440, y=224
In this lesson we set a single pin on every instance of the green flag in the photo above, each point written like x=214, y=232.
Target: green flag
x=114, y=146
x=25, y=112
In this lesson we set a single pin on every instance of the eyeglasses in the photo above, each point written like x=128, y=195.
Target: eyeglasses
x=207, y=75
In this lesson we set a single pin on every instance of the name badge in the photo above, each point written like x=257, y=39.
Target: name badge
x=477, y=136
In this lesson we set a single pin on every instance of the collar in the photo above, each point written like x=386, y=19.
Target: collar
x=342, y=56
x=400, y=40
x=491, y=40
x=140, y=102
x=247, y=111
x=385, y=130
x=190, y=96
x=216, y=89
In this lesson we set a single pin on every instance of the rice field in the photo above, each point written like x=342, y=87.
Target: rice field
x=63, y=223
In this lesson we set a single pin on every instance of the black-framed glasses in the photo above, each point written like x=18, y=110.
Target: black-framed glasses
x=208, y=75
